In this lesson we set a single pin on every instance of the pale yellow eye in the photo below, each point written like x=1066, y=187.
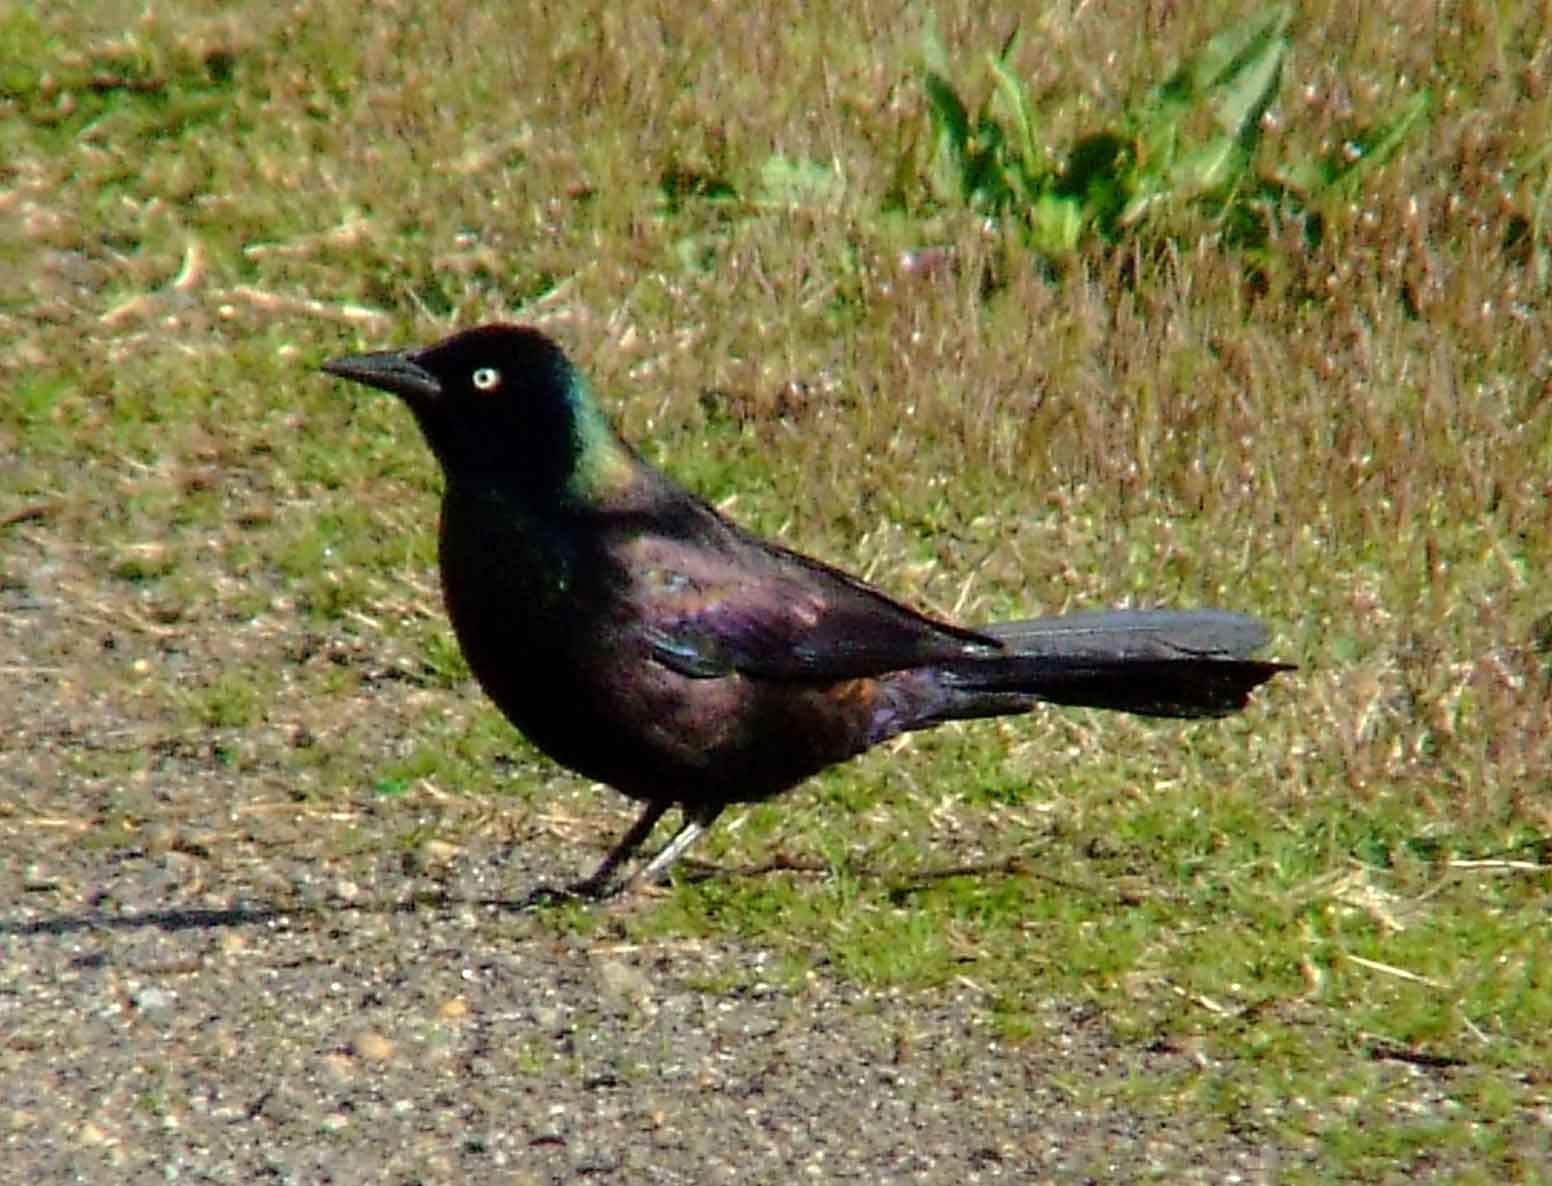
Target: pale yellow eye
x=486, y=379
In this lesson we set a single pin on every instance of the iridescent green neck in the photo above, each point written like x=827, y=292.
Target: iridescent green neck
x=601, y=462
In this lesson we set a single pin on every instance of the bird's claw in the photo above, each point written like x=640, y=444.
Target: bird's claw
x=545, y=896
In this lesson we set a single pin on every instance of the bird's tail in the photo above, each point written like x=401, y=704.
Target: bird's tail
x=1160, y=663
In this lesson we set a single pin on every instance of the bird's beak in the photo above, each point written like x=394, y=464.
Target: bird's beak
x=388, y=370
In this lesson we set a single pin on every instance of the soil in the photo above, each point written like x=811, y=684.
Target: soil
x=209, y=976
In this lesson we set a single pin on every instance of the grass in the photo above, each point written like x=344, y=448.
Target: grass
x=1187, y=145
x=1339, y=900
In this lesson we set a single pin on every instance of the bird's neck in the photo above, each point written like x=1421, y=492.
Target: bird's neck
x=502, y=555
x=603, y=466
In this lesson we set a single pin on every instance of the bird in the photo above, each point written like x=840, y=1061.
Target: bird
x=638, y=636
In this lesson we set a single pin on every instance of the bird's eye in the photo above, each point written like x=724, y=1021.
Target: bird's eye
x=486, y=379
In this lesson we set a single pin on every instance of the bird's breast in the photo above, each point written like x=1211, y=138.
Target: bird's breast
x=558, y=637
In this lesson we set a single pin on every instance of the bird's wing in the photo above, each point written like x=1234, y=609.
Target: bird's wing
x=751, y=607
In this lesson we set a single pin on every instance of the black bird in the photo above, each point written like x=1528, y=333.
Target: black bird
x=642, y=639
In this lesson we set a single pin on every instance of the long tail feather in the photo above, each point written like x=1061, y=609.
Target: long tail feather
x=1163, y=663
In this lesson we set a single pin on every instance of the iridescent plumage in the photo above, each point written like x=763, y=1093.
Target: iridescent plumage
x=639, y=637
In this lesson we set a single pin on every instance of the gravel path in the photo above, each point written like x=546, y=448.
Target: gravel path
x=204, y=978
x=171, y=1017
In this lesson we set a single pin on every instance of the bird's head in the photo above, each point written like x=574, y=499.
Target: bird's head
x=501, y=405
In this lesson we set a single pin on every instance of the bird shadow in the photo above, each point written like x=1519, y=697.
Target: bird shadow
x=178, y=919
x=165, y=920
x=539, y=899
x=207, y=919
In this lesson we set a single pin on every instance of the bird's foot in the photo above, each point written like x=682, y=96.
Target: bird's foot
x=545, y=896
x=595, y=888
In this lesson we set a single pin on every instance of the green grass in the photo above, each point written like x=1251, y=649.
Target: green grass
x=1191, y=145
x=1338, y=899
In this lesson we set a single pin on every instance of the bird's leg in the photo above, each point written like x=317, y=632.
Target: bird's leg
x=696, y=820
x=596, y=885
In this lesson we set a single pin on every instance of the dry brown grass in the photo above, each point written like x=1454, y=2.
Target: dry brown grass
x=198, y=203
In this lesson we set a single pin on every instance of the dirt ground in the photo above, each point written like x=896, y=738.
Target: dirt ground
x=206, y=978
